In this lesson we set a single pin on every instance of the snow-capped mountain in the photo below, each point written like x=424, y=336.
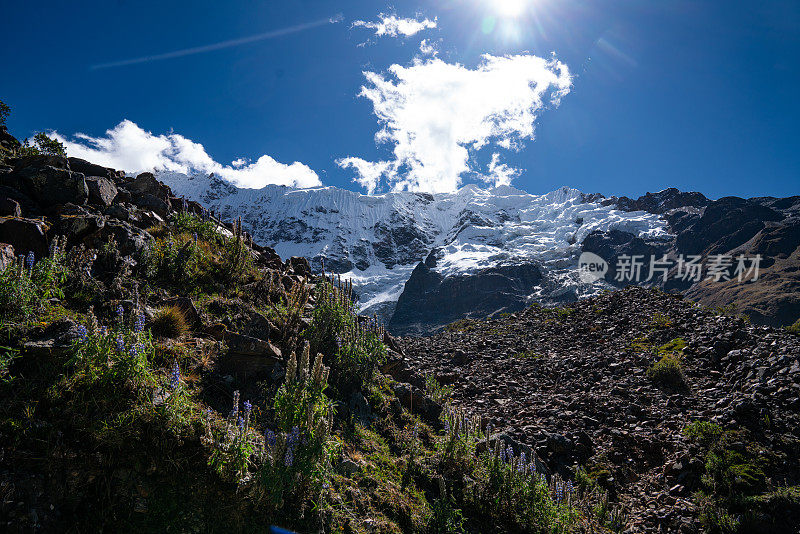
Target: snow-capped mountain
x=377, y=241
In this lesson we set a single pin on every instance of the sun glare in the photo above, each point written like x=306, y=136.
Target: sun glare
x=509, y=8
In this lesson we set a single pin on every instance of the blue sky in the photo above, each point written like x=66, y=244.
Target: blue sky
x=695, y=95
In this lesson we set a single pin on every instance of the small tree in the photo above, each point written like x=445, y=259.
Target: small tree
x=48, y=146
x=5, y=110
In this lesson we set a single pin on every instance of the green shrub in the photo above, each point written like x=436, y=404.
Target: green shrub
x=48, y=145
x=703, y=432
x=335, y=328
x=437, y=392
x=5, y=111
x=27, y=285
x=667, y=371
x=795, y=328
x=169, y=322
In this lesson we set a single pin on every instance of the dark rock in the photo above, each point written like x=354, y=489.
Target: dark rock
x=90, y=169
x=249, y=355
x=56, y=339
x=415, y=401
x=9, y=208
x=130, y=240
x=7, y=256
x=299, y=265
x=49, y=185
x=24, y=235
x=102, y=191
x=147, y=184
x=152, y=202
x=430, y=300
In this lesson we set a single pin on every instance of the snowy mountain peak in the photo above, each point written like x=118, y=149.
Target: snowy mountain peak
x=378, y=240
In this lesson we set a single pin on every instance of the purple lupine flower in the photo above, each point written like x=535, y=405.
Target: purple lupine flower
x=521, y=466
x=120, y=344
x=446, y=426
x=120, y=313
x=559, y=492
x=270, y=438
x=104, y=331
x=175, y=375
x=139, y=325
x=247, y=408
x=30, y=260
x=288, y=460
x=82, y=333
x=240, y=423
x=570, y=489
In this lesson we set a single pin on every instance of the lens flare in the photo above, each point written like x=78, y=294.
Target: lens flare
x=510, y=8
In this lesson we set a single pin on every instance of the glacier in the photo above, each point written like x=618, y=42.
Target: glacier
x=376, y=241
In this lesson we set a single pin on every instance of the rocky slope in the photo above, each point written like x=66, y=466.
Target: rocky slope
x=574, y=382
x=485, y=252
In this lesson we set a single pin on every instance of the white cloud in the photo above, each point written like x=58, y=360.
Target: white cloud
x=130, y=148
x=393, y=26
x=500, y=173
x=428, y=48
x=434, y=113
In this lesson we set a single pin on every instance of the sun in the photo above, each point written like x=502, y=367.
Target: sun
x=509, y=8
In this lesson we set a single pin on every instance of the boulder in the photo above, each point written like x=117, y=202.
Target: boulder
x=414, y=400
x=299, y=265
x=56, y=339
x=102, y=191
x=51, y=185
x=9, y=208
x=77, y=226
x=130, y=240
x=249, y=356
x=40, y=161
x=146, y=184
x=151, y=202
x=6, y=255
x=24, y=235
x=90, y=169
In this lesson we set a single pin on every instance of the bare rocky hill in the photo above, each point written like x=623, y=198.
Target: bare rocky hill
x=574, y=382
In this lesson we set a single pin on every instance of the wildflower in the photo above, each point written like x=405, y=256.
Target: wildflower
x=247, y=408
x=240, y=423
x=270, y=438
x=139, y=324
x=120, y=344
x=30, y=260
x=446, y=426
x=325, y=485
x=120, y=314
x=82, y=333
x=521, y=466
x=134, y=351
x=288, y=460
x=175, y=375
x=235, y=410
x=559, y=491
x=104, y=331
